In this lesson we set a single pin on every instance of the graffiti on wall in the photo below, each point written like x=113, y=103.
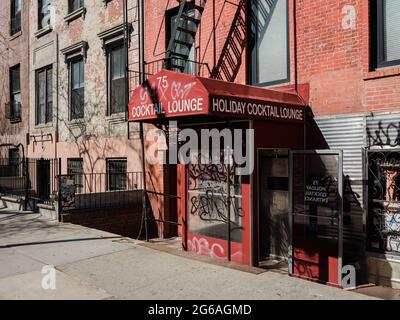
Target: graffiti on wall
x=208, y=185
x=386, y=134
x=204, y=247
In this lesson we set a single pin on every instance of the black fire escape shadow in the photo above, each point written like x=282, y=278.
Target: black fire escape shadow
x=230, y=60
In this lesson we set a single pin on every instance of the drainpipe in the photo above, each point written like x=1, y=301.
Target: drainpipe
x=295, y=45
x=142, y=80
x=229, y=199
x=214, y=37
x=57, y=97
x=126, y=49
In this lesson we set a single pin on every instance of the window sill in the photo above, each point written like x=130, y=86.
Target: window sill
x=15, y=121
x=382, y=73
x=116, y=117
x=15, y=35
x=47, y=125
x=43, y=31
x=76, y=122
x=75, y=14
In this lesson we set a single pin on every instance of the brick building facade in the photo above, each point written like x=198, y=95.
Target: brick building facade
x=338, y=57
x=331, y=54
x=14, y=87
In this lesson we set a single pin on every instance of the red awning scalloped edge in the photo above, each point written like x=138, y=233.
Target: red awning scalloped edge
x=172, y=95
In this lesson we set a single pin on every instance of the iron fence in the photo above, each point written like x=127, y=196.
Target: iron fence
x=12, y=181
x=107, y=190
x=32, y=178
x=38, y=180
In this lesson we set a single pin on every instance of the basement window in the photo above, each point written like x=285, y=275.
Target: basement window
x=116, y=174
x=75, y=168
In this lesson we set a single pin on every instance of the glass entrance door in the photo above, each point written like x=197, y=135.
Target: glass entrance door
x=316, y=223
x=273, y=204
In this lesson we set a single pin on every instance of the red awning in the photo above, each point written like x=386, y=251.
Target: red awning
x=171, y=94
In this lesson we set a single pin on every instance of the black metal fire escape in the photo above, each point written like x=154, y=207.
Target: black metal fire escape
x=183, y=34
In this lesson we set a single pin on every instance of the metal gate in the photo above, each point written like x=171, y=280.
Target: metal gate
x=383, y=200
x=316, y=215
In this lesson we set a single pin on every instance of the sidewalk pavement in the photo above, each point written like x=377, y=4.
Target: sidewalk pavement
x=92, y=264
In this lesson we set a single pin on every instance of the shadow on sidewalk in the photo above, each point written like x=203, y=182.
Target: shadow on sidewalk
x=56, y=241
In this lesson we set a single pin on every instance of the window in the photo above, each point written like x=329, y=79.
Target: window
x=386, y=47
x=44, y=13
x=16, y=8
x=75, y=56
x=14, y=113
x=116, y=174
x=75, y=168
x=269, y=42
x=77, y=89
x=116, y=62
x=190, y=67
x=75, y=5
x=44, y=95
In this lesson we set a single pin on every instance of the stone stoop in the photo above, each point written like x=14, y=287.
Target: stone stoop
x=48, y=212
x=12, y=204
x=17, y=204
x=384, y=270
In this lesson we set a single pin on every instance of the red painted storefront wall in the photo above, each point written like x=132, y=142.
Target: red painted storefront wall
x=328, y=52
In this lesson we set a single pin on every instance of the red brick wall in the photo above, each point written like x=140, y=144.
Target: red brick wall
x=155, y=43
x=333, y=59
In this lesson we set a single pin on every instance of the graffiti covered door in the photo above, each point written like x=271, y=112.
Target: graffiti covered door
x=316, y=215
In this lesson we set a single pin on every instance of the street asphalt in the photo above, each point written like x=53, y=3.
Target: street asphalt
x=91, y=264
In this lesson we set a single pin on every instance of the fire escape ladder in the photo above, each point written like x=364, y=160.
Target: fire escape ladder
x=230, y=59
x=183, y=34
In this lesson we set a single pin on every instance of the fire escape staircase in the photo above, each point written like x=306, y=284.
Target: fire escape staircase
x=183, y=36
